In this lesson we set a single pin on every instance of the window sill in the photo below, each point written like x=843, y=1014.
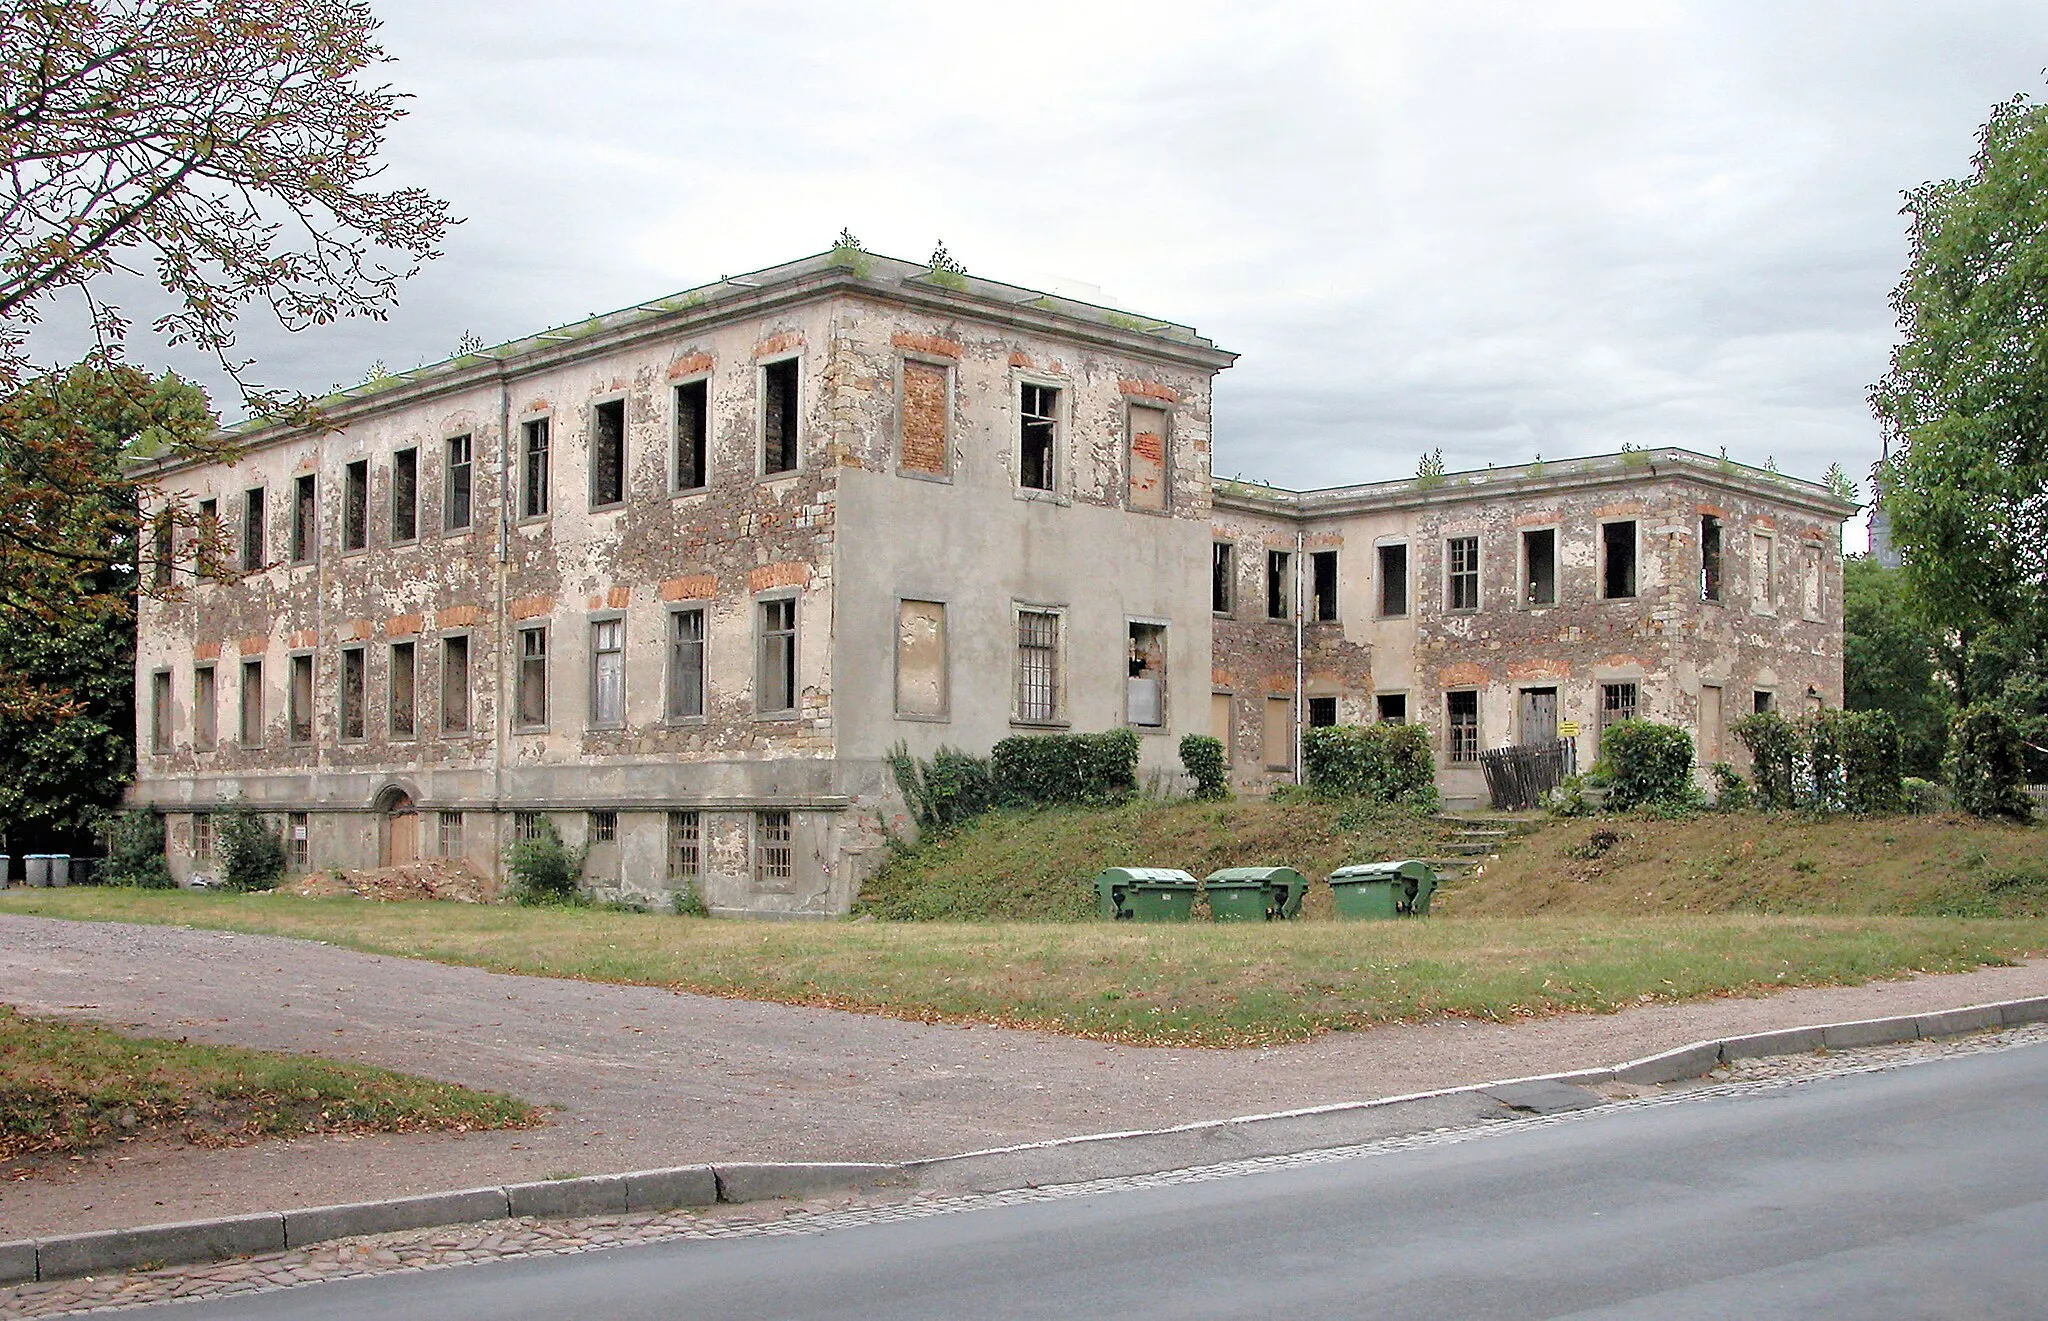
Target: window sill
x=685, y=722
x=1033, y=495
x=613, y=508
x=925, y=720
x=937, y=478
x=530, y=731
x=783, y=475
x=1017, y=723
x=778, y=717
x=685, y=492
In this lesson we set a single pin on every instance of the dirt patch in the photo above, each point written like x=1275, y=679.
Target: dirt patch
x=431, y=878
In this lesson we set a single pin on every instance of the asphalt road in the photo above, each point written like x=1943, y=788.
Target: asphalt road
x=1917, y=1192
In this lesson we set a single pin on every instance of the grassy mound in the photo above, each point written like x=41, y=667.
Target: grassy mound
x=1040, y=866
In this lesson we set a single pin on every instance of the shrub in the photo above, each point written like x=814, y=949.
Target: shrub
x=1871, y=755
x=544, y=869
x=1047, y=770
x=1731, y=791
x=1647, y=764
x=1203, y=759
x=1387, y=762
x=249, y=853
x=1774, y=756
x=952, y=787
x=688, y=900
x=1985, y=766
x=135, y=851
x=1568, y=798
x=1922, y=796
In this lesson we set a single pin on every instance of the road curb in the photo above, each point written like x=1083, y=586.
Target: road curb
x=66, y=1256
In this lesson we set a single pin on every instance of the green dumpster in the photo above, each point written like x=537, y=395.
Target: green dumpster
x=1159, y=894
x=1383, y=889
x=1281, y=891
x=1113, y=891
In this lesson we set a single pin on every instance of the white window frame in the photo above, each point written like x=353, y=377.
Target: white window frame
x=1058, y=719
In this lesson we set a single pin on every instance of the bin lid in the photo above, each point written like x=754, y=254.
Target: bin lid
x=1407, y=869
x=1146, y=876
x=1255, y=876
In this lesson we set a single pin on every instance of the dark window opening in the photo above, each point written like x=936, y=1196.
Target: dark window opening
x=685, y=845
x=1279, y=584
x=162, y=549
x=531, y=699
x=1462, y=708
x=778, y=416
x=1223, y=578
x=1145, y=689
x=296, y=836
x=405, y=495
x=252, y=704
x=1618, y=558
x=160, y=711
x=355, y=505
x=1617, y=702
x=608, y=454
x=526, y=825
x=774, y=850
x=404, y=673
x=212, y=539
x=1392, y=708
x=305, y=518
x=1710, y=558
x=1539, y=567
x=776, y=675
x=1763, y=700
x=455, y=684
x=693, y=429
x=686, y=665
x=252, y=530
x=1322, y=712
x=450, y=824
x=604, y=827
x=1323, y=573
x=299, y=700
x=1040, y=409
x=353, y=692
x=1393, y=581
x=205, y=709
x=455, y=511
x=533, y=468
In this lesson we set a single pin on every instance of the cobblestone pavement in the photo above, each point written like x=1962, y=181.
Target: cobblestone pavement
x=504, y=1240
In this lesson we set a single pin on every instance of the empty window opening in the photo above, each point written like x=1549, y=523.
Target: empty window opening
x=1391, y=708
x=403, y=716
x=693, y=430
x=455, y=684
x=1618, y=701
x=531, y=697
x=608, y=454
x=1461, y=710
x=1038, y=675
x=355, y=505
x=1763, y=700
x=778, y=416
x=1539, y=567
x=305, y=518
x=298, y=837
x=163, y=553
x=1461, y=573
x=1710, y=558
x=298, y=700
x=1322, y=712
x=1145, y=689
x=160, y=711
x=202, y=837
x=608, y=673
x=1393, y=581
x=1039, y=406
x=253, y=550
x=1323, y=578
x=1223, y=578
x=923, y=446
x=1279, y=584
x=604, y=827
x=774, y=847
x=449, y=834
x=455, y=500
x=921, y=679
x=775, y=671
x=533, y=468
x=1277, y=734
x=1149, y=467
x=685, y=845
x=251, y=730
x=205, y=709
x=405, y=495
x=1617, y=560
x=685, y=665
x=352, y=692
x=212, y=540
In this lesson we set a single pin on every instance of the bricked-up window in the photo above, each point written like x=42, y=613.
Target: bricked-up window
x=921, y=678
x=1539, y=566
x=531, y=699
x=685, y=845
x=1223, y=578
x=455, y=497
x=774, y=847
x=298, y=838
x=404, y=701
x=354, y=691
x=526, y=825
x=1710, y=558
x=449, y=830
x=1393, y=581
x=922, y=415
x=305, y=518
x=298, y=699
x=1461, y=713
x=1277, y=736
x=1617, y=702
x=254, y=552
x=1223, y=723
x=405, y=495
x=1391, y=708
x=205, y=709
x=686, y=664
x=1809, y=581
x=608, y=673
x=355, y=505
x=533, y=468
x=1617, y=560
x=160, y=711
x=1150, y=470
x=693, y=432
x=1322, y=712
x=1279, y=584
x=212, y=540
x=1323, y=586
x=163, y=550
x=1763, y=579
x=1145, y=690
x=251, y=723
x=603, y=827
x=202, y=837
x=1038, y=665
x=775, y=668
x=455, y=684
x=608, y=454
x=1461, y=573
x=778, y=416
x=1038, y=436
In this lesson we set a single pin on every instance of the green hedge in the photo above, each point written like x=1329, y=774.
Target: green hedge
x=1047, y=770
x=1386, y=762
x=1829, y=761
x=1646, y=764
x=952, y=787
x=1986, y=766
x=135, y=851
x=1206, y=764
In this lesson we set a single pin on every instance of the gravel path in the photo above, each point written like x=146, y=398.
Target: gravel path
x=647, y=1077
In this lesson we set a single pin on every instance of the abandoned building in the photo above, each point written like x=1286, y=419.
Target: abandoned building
x=677, y=578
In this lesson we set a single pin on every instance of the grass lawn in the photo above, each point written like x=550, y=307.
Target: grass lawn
x=1168, y=985
x=66, y=1088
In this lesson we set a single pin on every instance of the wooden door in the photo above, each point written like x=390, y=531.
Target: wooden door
x=1539, y=715
x=402, y=834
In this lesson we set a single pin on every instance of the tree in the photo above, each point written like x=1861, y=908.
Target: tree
x=1889, y=662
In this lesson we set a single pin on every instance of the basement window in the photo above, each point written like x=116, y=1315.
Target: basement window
x=297, y=836
x=533, y=468
x=1039, y=408
x=450, y=834
x=608, y=454
x=1145, y=688
x=526, y=825
x=1279, y=584
x=1539, y=567
x=405, y=495
x=604, y=827
x=355, y=505
x=1617, y=560
x=1710, y=558
x=1223, y=578
x=685, y=845
x=1394, y=581
x=778, y=417
x=774, y=847
x=693, y=430
x=1323, y=576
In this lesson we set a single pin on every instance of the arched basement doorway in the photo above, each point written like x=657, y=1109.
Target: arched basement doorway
x=400, y=822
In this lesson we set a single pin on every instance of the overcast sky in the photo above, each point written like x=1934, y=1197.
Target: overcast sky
x=1502, y=229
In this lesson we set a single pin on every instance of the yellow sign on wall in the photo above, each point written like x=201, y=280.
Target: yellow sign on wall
x=1567, y=729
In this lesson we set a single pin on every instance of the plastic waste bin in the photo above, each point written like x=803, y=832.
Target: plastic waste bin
x=1281, y=887
x=60, y=869
x=1160, y=894
x=36, y=869
x=6, y=870
x=1113, y=891
x=1383, y=889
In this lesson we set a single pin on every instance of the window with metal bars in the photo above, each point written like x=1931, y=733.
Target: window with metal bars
x=1617, y=702
x=774, y=847
x=298, y=835
x=604, y=827
x=685, y=845
x=1038, y=646
x=202, y=837
x=450, y=832
x=526, y=825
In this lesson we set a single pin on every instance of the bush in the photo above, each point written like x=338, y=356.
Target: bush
x=1985, y=765
x=544, y=869
x=1647, y=764
x=249, y=853
x=1204, y=760
x=1922, y=796
x=1871, y=756
x=952, y=787
x=1569, y=798
x=1774, y=756
x=135, y=851
x=1385, y=762
x=1049, y=770
x=687, y=900
x=1731, y=791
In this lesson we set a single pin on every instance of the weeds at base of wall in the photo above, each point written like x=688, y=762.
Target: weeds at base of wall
x=688, y=900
